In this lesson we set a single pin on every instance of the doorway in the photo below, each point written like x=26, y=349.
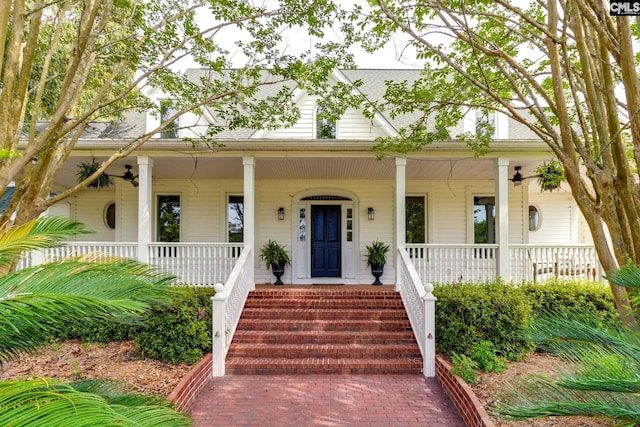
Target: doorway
x=326, y=247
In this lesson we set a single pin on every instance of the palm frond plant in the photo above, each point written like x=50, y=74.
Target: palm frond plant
x=600, y=374
x=41, y=301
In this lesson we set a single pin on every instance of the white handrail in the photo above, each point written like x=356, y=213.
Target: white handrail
x=420, y=305
x=227, y=304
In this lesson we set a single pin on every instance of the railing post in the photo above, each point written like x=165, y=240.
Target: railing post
x=219, y=332
x=429, y=356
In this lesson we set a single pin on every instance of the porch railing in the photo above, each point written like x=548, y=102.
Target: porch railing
x=198, y=264
x=228, y=303
x=449, y=263
x=69, y=249
x=419, y=302
x=538, y=263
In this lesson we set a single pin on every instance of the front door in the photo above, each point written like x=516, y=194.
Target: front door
x=325, y=241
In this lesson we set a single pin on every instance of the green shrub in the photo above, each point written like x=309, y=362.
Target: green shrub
x=484, y=353
x=179, y=332
x=572, y=296
x=100, y=331
x=469, y=313
x=465, y=367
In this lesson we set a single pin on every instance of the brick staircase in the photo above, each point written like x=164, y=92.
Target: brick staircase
x=324, y=330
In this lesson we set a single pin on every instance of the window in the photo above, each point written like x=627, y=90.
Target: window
x=415, y=219
x=485, y=123
x=168, y=218
x=325, y=127
x=168, y=109
x=484, y=219
x=235, y=218
x=110, y=216
x=534, y=218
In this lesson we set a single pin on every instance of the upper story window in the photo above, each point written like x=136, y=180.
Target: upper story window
x=325, y=128
x=485, y=123
x=167, y=110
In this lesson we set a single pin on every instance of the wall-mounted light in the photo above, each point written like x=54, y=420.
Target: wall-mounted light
x=371, y=213
x=280, y=214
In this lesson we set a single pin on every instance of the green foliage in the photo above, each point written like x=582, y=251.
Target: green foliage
x=85, y=170
x=465, y=367
x=179, y=332
x=563, y=297
x=273, y=252
x=102, y=331
x=40, y=302
x=469, y=313
x=550, y=175
x=377, y=253
x=484, y=353
x=50, y=402
x=481, y=357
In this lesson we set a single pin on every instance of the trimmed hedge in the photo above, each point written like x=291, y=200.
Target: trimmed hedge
x=497, y=312
x=467, y=314
x=586, y=297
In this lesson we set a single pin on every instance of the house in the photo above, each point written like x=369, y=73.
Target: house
x=318, y=188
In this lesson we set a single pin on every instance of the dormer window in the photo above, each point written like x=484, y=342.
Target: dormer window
x=485, y=123
x=167, y=110
x=325, y=128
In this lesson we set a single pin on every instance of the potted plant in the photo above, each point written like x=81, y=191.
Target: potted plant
x=376, y=258
x=85, y=170
x=274, y=256
x=550, y=175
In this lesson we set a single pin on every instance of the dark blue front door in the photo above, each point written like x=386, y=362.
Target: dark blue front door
x=325, y=241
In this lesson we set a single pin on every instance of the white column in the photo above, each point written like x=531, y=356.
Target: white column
x=429, y=356
x=219, y=333
x=249, y=214
x=400, y=237
x=502, y=218
x=145, y=207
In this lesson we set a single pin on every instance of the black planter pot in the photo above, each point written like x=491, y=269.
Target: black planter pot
x=377, y=271
x=278, y=271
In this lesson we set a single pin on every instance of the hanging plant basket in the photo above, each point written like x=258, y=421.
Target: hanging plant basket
x=550, y=175
x=85, y=170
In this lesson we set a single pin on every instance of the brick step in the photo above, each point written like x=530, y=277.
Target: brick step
x=309, y=366
x=324, y=313
x=322, y=303
x=321, y=337
x=323, y=325
x=324, y=351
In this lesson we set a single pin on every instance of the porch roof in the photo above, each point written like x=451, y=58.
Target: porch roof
x=308, y=159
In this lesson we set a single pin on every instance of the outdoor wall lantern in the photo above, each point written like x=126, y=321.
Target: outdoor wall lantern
x=371, y=213
x=280, y=214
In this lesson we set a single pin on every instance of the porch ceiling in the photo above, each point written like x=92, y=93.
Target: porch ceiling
x=306, y=168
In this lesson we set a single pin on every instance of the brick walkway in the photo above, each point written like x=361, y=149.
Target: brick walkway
x=324, y=400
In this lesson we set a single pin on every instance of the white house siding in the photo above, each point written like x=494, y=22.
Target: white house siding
x=352, y=125
x=450, y=209
x=203, y=206
x=88, y=206
x=558, y=216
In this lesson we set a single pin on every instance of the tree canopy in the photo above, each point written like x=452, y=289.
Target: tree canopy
x=68, y=65
x=565, y=69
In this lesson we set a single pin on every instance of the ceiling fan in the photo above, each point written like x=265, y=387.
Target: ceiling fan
x=518, y=178
x=129, y=176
